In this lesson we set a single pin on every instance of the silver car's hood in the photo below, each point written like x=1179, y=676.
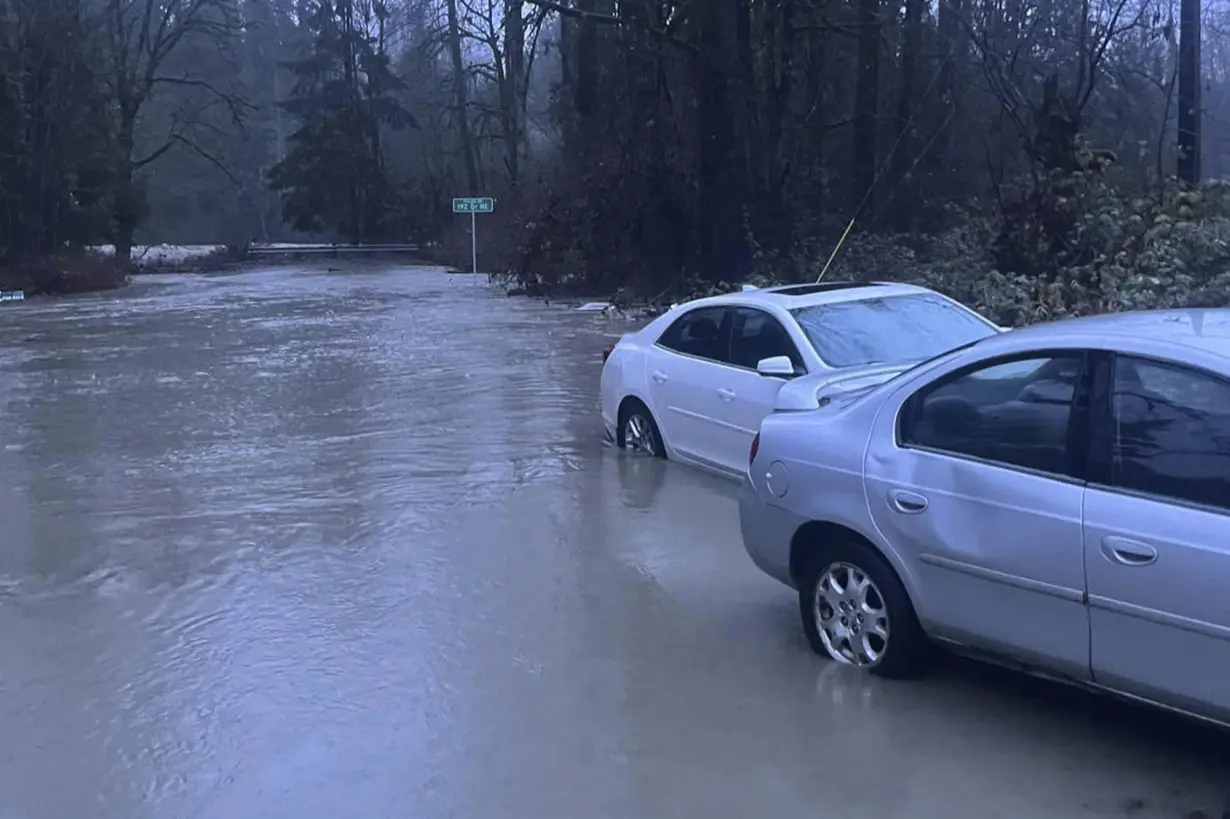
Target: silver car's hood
x=805, y=392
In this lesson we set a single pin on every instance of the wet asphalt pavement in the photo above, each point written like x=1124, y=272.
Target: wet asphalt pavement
x=304, y=544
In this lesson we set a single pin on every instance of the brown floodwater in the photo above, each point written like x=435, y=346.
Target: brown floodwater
x=300, y=543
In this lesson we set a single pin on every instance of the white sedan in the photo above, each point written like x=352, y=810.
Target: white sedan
x=695, y=383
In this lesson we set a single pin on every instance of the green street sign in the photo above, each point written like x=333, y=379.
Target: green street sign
x=474, y=204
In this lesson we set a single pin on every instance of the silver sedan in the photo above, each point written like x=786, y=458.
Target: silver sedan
x=1056, y=498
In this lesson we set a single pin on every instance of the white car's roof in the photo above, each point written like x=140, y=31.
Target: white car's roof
x=1206, y=329
x=793, y=296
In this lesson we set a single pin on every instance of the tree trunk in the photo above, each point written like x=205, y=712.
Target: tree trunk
x=1189, y=92
x=743, y=89
x=866, y=105
x=775, y=143
x=461, y=99
x=903, y=158
x=817, y=99
x=563, y=107
x=513, y=93
x=952, y=46
x=723, y=252
x=128, y=200
x=587, y=55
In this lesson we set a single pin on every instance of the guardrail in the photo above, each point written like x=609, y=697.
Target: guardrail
x=327, y=250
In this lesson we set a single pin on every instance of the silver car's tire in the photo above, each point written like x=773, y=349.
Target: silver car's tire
x=856, y=611
x=638, y=431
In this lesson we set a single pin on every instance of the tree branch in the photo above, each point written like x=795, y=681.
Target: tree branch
x=181, y=138
x=1099, y=52
x=611, y=20
x=235, y=104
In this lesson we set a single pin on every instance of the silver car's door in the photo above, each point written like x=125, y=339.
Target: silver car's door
x=973, y=480
x=1157, y=534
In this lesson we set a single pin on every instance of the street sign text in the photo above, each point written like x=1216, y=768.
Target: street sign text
x=474, y=204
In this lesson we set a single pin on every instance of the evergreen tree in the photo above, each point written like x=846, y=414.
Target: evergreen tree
x=57, y=158
x=333, y=178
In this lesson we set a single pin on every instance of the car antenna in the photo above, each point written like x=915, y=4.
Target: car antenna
x=840, y=242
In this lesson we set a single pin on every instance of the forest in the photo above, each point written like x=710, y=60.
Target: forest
x=1035, y=158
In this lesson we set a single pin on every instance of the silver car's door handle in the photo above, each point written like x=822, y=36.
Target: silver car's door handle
x=659, y=376
x=727, y=395
x=1127, y=552
x=907, y=503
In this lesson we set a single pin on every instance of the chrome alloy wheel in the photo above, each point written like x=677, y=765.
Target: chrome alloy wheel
x=851, y=616
x=639, y=435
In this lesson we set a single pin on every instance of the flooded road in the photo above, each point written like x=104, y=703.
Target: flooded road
x=303, y=544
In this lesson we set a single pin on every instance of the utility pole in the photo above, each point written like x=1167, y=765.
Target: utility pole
x=1190, y=112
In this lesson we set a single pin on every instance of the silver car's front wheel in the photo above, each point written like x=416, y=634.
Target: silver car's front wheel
x=851, y=617
x=856, y=611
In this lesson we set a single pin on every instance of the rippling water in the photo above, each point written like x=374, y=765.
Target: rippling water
x=237, y=501
x=311, y=544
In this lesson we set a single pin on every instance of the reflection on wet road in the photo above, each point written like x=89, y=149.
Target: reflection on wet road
x=304, y=544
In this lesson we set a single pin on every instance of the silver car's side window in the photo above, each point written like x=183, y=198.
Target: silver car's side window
x=1171, y=432
x=1017, y=413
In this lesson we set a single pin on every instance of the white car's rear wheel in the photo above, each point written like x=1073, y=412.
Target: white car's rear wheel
x=638, y=432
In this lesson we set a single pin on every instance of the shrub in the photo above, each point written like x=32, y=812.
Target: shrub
x=1092, y=249
x=61, y=274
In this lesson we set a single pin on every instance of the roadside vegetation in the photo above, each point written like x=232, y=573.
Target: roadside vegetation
x=1113, y=251
x=60, y=274
x=1036, y=158
x=96, y=268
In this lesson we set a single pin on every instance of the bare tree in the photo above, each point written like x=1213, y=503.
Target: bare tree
x=1008, y=39
x=143, y=38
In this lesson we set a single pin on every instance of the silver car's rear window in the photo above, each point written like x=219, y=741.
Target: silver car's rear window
x=888, y=330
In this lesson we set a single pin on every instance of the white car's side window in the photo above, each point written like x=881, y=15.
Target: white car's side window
x=703, y=333
x=756, y=335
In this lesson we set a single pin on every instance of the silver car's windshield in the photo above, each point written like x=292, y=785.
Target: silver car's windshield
x=889, y=330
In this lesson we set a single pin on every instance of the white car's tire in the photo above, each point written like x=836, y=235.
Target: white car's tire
x=638, y=431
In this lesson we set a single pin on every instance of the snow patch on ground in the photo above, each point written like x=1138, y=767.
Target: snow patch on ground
x=163, y=254
x=292, y=245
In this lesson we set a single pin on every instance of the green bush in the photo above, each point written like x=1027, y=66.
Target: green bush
x=1082, y=247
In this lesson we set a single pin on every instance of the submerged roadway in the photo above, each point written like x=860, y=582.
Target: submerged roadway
x=298, y=543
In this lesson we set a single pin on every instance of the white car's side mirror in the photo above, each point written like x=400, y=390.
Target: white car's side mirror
x=779, y=366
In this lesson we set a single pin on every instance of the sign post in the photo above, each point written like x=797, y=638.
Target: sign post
x=474, y=205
